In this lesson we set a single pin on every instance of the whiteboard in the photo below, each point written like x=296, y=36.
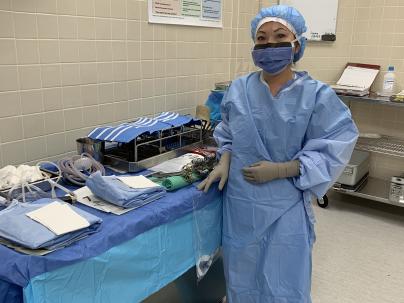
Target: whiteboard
x=207, y=13
x=320, y=16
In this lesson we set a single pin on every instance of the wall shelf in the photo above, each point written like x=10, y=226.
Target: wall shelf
x=375, y=189
x=384, y=145
x=371, y=99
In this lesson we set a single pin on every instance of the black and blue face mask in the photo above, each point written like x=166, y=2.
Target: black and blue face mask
x=273, y=58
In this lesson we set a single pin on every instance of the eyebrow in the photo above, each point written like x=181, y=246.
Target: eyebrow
x=278, y=29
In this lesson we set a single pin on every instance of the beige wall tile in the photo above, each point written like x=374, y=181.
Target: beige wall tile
x=121, y=111
x=160, y=69
x=67, y=7
x=147, y=88
x=135, y=109
x=25, y=26
x=11, y=129
x=91, y=115
x=103, y=29
x=70, y=74
x=87, y=51
x=104, y=51
x=10, y=104
x=120, y=71
x=49, y=51
x=106, y=113
x=55, y=144
x=46, y=6
x=35, y=148
x=134, y=90
x=23, y=6
x=13, y=153
x=147, y=69
x=71, y=97
x=73, y=118
x=103, y=8
x=133, y=9
x=52, y=99
x=31, y=101
x=6, y=25
x=30, y=76
x=7, y=51
x=88, y=73
x=148, y=106
x=159, y=87
x=5, y=5
x=118, y=9
x=133, y=30
x=134, y=71
x=67, y=27
x=105, y=93
x=160, y=104
x=105, y=72
x=33, y=125
x=86, y=28
x=119, y=51
x=69, y=51
x=54, y=122
x=118, y=29
x=120, y=91
x=147, y=50
x=86, y=8
x=27, y=51
x=133, y=49
x=47, y=26
x=159, y=51
x=89, y=94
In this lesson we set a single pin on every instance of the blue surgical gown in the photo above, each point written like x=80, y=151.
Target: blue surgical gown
x=268, y=228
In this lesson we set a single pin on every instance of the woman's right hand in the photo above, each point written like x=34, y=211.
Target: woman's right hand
x=220, y=172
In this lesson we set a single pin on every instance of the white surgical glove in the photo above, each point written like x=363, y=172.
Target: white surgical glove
x=220, y=172
x=265, y=171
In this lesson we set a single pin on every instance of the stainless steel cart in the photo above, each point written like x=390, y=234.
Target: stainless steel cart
x=374, y=189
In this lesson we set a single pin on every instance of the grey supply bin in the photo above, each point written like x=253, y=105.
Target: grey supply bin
x=354, y=174
x=356, y=169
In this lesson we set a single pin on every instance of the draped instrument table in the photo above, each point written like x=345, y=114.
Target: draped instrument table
x=132, y=256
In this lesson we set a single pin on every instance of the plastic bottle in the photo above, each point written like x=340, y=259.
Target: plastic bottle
x=389, y=82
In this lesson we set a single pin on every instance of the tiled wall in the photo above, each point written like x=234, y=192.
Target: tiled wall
x=67, y=66
x=368, y=31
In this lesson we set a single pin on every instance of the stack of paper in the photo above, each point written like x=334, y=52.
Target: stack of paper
x=356, y=80
x=59, y=218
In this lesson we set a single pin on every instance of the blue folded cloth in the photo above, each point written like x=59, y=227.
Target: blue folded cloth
x=112, y=190
x=17, y=227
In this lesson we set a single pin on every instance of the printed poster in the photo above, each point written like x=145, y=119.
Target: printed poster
x=186, y=12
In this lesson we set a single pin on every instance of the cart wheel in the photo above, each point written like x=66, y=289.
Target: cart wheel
x=323, y=203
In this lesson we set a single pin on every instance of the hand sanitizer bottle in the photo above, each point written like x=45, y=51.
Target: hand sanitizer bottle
x=388, y=82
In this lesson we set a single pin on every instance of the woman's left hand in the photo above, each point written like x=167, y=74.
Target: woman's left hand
x=265, y=171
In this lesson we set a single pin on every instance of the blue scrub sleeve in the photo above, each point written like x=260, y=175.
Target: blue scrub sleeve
x=330, y=139
x=222, y=133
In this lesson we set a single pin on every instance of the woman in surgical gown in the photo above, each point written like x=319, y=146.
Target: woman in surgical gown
x=284, y=138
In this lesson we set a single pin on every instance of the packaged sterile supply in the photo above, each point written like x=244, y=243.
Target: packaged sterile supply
x=16, y=226
x=11, y=175
x=116, y=190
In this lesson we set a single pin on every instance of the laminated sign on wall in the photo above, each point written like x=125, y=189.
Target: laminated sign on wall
x=186, y=12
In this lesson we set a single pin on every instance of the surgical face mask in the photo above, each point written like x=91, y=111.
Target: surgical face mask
x=273, y=58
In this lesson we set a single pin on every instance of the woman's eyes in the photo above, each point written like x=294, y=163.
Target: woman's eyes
x=277, y=37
